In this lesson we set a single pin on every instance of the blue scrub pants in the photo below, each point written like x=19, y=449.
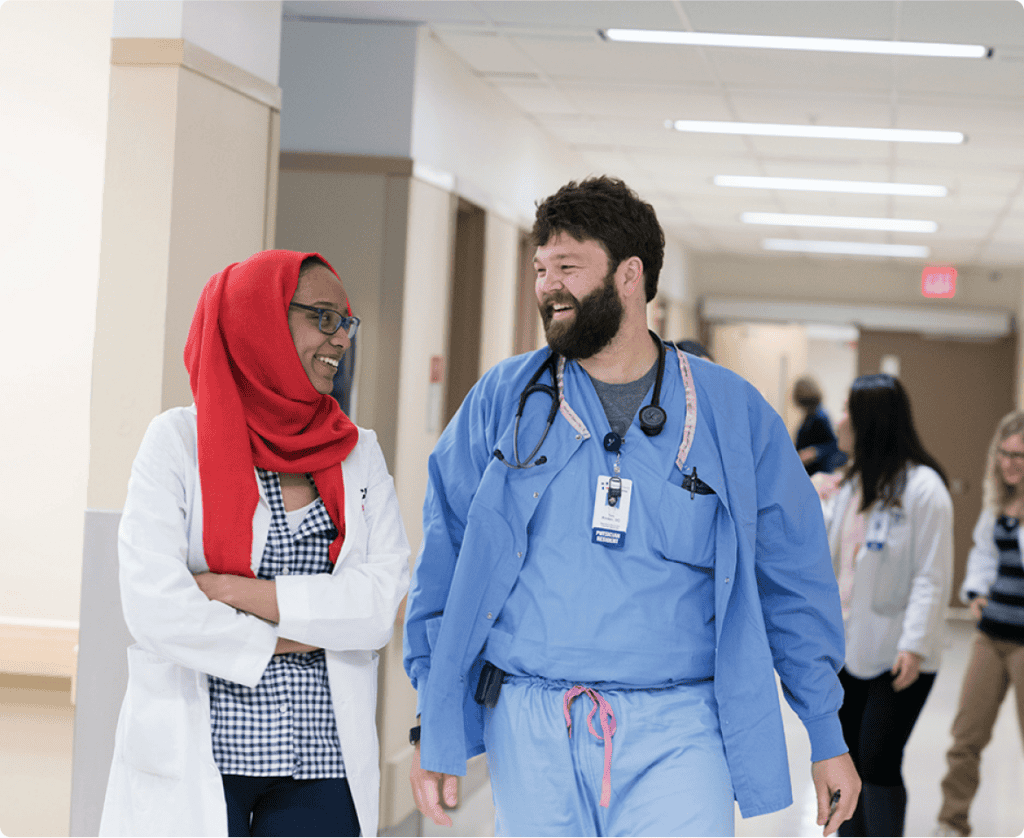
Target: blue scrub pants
x=668, y=770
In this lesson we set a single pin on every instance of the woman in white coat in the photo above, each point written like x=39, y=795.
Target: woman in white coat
x=890, y=528
x=262, y=561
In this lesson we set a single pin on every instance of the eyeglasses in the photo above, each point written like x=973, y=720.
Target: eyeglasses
x=1016, y=456
x=330, y=320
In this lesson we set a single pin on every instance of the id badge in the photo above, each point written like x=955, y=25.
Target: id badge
x=611, y=511
x=878, y=529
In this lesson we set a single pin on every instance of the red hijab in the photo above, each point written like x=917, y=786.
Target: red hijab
x=256, y=405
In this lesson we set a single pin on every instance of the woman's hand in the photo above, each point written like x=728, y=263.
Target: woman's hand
x=906, y=670
x=976, y=605
x=254, y=596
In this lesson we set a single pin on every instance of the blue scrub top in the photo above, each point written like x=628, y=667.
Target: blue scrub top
x=641, y=614
x=776, y=602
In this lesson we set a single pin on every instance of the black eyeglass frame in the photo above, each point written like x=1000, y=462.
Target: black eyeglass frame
x=351, y=323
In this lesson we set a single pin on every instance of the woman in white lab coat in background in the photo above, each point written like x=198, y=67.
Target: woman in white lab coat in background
x=890, y=529
x=262, y=563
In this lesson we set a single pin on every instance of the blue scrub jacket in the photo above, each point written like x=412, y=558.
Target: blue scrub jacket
x=776, y=598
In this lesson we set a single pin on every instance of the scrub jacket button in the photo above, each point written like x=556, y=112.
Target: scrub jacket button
x=579, y=436
x=489, y=615
x=536, y=495
x=519, y=555
x=726, y=580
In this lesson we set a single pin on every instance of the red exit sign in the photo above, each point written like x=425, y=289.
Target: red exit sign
x=938, y=282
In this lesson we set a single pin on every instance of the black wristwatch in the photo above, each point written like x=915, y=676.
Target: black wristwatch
x=414, y=735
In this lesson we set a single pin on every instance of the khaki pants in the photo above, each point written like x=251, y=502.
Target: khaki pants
x=994, y=665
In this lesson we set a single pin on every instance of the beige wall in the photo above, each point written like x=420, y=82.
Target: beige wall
x=190, y=180
x=501, y=280
x=769, y=356
x=424, y=335
x=54, y=81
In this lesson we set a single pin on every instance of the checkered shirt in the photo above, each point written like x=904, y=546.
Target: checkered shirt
x=284, y=726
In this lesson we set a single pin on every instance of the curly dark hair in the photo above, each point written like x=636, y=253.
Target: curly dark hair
x=606, y=210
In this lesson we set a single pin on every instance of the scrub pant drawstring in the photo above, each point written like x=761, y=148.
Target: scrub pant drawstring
x=607, y=728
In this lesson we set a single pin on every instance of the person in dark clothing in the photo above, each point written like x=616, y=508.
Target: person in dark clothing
x=815, y=440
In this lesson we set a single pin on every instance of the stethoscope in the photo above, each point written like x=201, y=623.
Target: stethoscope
x=652, y=416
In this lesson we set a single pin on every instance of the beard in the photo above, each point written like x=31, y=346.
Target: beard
x=597, y=319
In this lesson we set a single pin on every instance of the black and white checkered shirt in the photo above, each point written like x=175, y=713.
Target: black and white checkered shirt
x=284, y=726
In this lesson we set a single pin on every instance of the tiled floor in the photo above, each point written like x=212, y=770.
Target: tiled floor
x=36, y=734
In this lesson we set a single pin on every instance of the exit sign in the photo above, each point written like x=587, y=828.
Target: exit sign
x=938, y=282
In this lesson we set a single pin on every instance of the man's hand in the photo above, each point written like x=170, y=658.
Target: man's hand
x=976, y=605
x=830, y=776
x=906, y=670
x=424, y=790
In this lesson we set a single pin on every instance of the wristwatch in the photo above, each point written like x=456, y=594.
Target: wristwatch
x=414, y=735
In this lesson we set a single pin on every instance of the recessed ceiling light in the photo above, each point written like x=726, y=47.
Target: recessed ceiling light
x=714, y=39
x=912, y=251
x=840, y=222
x=827, y=132
x=858, y=187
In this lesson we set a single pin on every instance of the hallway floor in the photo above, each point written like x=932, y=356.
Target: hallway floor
x=36, y=734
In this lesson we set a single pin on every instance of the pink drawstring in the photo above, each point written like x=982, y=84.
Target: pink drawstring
x=607, y=728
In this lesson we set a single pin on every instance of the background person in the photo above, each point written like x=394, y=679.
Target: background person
x=993, y=587
x=815, y=441
x=262, y=560
x=890, y=529
x=623, y=652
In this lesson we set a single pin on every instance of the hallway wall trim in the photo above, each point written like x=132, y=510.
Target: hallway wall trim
x=967, y=323
x=353, y=164
x=177, y=52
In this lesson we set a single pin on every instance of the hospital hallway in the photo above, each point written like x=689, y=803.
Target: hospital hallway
x=36, y=721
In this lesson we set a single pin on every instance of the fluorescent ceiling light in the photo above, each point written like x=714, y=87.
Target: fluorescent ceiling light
x=713, y=39
x=858, y=187
x=912, y=251
x=840, y=222
x=827, y=132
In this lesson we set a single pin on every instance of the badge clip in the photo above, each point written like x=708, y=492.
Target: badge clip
x=614, y=490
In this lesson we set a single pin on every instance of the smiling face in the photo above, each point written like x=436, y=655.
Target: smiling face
x=1011, y=459
x=319, y=354
x=577, y=295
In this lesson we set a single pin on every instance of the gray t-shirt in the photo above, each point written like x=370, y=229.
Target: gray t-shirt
x=622, y=401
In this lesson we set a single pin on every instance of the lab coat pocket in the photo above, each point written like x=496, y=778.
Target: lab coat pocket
x=893, y=571
x=155, y=722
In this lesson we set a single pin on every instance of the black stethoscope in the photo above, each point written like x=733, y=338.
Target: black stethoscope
x=652, y=416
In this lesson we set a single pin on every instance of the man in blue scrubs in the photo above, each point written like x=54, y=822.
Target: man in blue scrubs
x=620, y=548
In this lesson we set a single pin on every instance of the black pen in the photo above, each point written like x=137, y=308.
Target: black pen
x=832, y=804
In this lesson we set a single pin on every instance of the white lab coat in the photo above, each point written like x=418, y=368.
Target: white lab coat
x=163, y=779
x=900, y=591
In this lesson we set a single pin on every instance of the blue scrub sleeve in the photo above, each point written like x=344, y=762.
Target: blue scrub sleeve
x=797, y=587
